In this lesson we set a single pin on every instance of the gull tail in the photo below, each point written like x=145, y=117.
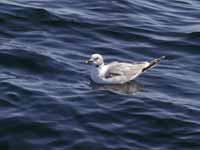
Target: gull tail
x=153, y=63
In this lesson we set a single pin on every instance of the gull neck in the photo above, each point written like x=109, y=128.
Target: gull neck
x=99, y=66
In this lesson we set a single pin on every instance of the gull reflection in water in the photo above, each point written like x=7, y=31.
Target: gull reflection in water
x=129, y=88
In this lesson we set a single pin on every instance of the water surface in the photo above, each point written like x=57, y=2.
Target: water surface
x=48, y=101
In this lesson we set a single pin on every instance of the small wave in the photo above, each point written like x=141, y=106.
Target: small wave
x=29, y=60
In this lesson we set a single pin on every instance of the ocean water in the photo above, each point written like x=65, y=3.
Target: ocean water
x=47, y=100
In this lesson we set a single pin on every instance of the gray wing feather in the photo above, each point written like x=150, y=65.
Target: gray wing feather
x=124, y=69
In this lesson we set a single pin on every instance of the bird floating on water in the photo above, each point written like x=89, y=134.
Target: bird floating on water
x=118, y=72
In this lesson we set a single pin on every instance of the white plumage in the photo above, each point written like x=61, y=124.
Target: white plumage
x=117, y=72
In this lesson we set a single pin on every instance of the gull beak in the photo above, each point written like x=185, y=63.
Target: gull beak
x=88, y=61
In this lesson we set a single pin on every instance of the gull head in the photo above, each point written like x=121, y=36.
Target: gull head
x=95, y=59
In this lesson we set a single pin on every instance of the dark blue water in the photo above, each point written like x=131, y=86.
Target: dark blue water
x=48, y=101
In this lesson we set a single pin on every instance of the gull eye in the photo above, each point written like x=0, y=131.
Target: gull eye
x=96, y=58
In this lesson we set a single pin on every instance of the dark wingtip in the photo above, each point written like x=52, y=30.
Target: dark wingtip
x=153, y=63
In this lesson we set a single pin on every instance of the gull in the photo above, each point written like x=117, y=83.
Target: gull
x=117, y=72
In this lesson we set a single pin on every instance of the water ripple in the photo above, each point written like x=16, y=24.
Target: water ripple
x=47, y=100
